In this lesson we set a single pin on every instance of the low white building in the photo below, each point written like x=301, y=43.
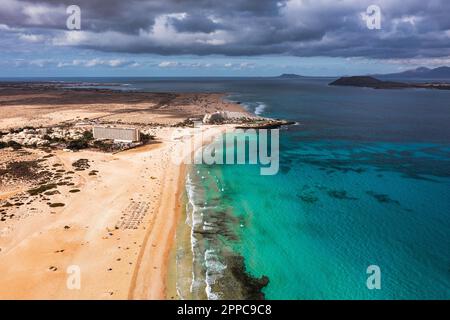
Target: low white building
x=117, y=134
x=222, y=116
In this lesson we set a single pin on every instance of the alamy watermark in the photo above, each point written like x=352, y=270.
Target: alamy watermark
x=232, y=146
x=372, y=16
x=374, y=278
x=73, y=281
x=73, y=21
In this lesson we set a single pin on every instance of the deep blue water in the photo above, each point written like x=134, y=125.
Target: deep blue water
x=364, y=180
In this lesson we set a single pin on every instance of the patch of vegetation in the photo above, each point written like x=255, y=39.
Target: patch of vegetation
x=41, y=189
x=56, y=205
x=14, y=145
x=105, y=146
x=27, y=170
x=77, y=144
x=51, y=193
x=81, y=143
x=81, y=164
x=87, y=135
x=145, y=138
x=54, y=139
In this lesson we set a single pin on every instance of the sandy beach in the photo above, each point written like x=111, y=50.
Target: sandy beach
x=113, y=217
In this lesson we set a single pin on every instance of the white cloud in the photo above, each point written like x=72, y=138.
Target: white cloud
x=4, y=27
x=40, y=62
x=192, y=65
x=281, y=27
x=113, y=63
x=420, y=62
x=167, y=64
x=240, y=65
x=31, y=37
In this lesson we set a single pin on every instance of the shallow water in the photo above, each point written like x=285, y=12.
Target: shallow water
x=364, y=180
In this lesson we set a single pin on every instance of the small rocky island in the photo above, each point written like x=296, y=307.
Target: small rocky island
x=371, y=82
x=290, y=76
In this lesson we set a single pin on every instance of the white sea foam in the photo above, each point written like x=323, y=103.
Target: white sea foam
x=195, y=221
x=260, y=108
x=214, y=271
x=206, y=265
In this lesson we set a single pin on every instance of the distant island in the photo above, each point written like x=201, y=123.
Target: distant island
x=371, y=82
x=290, y=76
x=418, y=73
x=439, y=74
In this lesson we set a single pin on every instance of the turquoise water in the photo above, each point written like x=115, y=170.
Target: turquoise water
x=364, y=180
x=314, y=230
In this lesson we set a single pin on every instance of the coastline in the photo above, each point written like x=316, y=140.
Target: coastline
x=115, y=220
x=206, y=265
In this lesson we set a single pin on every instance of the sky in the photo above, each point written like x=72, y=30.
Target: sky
x=221, y=38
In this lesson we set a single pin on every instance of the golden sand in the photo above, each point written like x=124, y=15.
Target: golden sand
x=118, y=229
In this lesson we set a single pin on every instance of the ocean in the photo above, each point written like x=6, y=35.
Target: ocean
x=364, y=180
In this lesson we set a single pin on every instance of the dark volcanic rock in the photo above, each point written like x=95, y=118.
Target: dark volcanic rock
x=251, y=286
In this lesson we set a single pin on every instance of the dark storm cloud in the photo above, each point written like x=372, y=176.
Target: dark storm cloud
x=410, y=28
x=196, y=23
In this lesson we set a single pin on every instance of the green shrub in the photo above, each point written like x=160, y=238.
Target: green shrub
x=103, y=146
x=146, y=137
x=77, y=144
x=57, y=204
x=41, y=189
x=87, y=135
x=14, y=145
